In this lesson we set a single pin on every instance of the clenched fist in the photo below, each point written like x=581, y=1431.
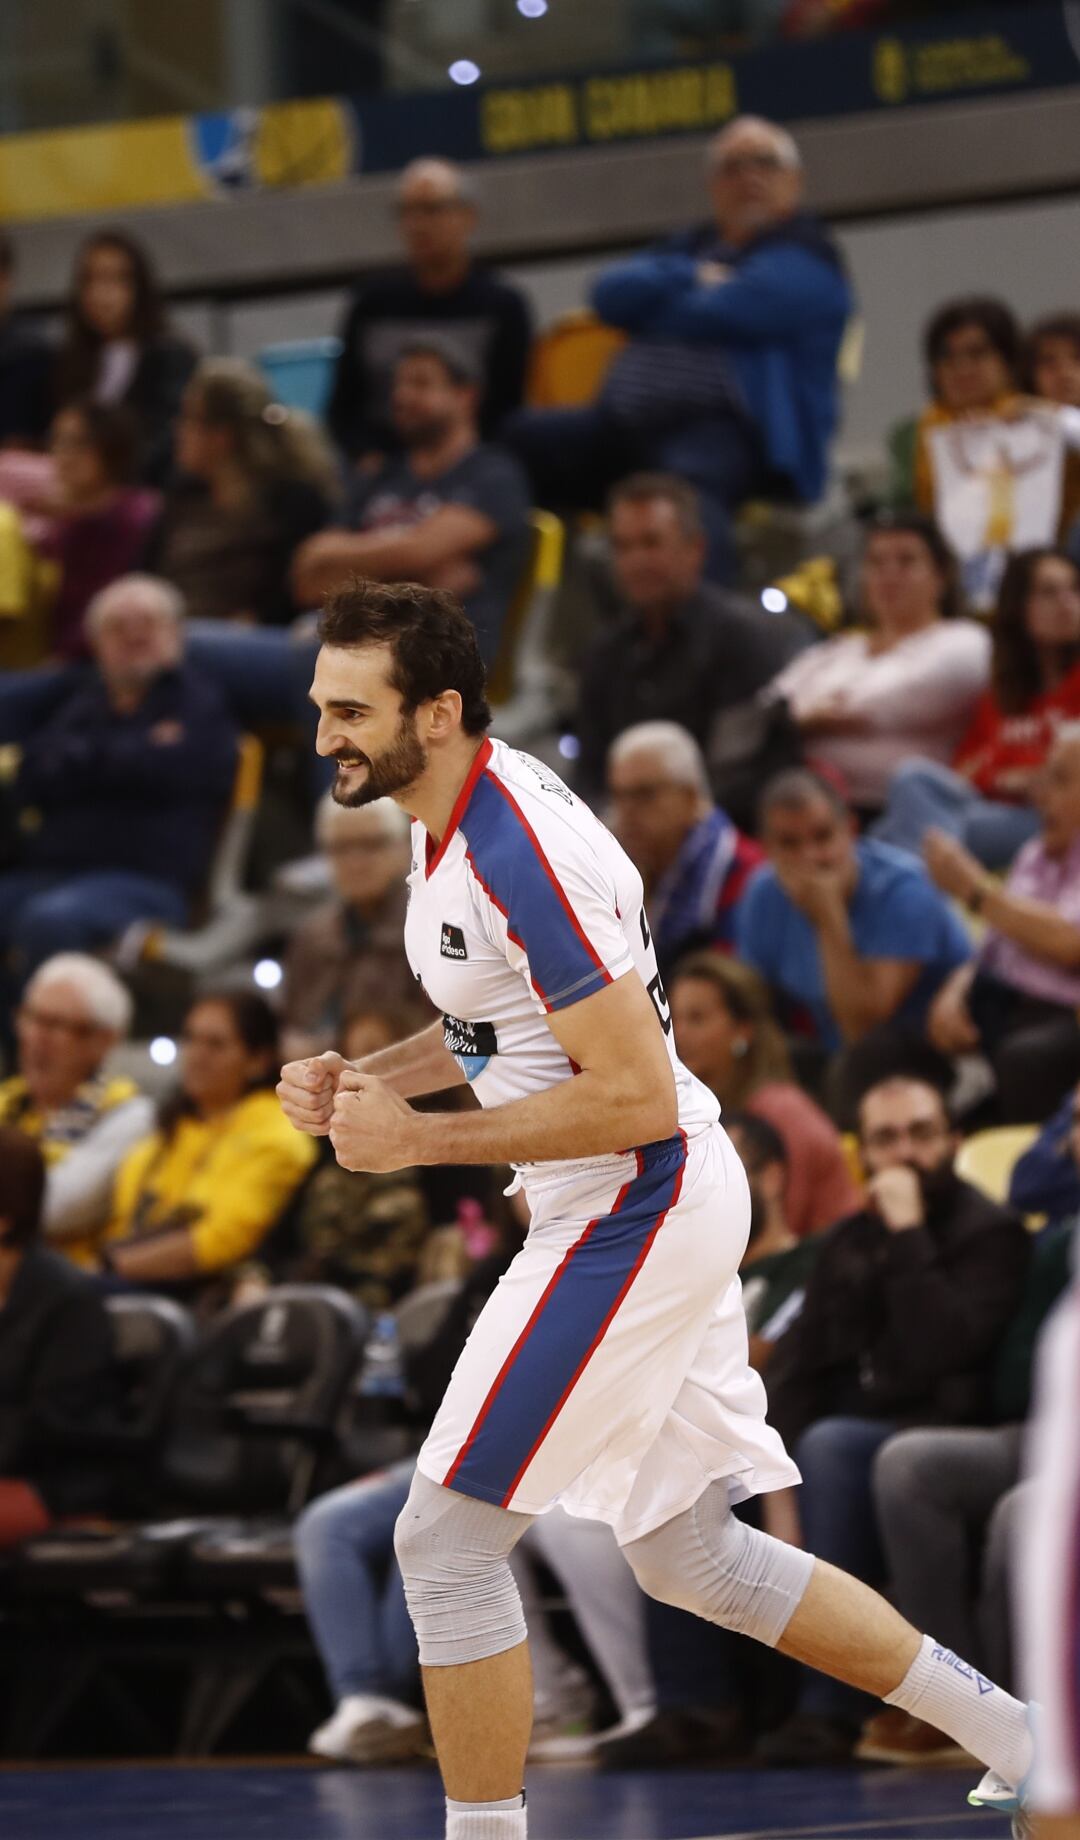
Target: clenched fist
x=307, y=1090
x=371, y=1128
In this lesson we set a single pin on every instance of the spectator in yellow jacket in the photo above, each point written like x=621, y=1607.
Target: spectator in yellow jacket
x=200, y=1194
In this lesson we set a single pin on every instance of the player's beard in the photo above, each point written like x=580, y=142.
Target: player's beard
x=398, y=766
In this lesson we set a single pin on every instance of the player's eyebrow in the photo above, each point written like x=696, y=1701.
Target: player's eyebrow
x=340, y=705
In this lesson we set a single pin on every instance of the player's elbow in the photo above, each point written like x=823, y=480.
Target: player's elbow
x=654, y=1106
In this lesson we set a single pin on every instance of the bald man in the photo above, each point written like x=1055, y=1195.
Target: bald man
x=693, y=861
x=440, y=287
x=730, y=377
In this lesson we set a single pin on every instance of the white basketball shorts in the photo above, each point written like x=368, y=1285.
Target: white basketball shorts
x=609, y=1369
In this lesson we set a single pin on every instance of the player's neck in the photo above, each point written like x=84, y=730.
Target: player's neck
x=433, y=797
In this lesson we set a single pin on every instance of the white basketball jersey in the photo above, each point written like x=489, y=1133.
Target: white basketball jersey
x=527, y=906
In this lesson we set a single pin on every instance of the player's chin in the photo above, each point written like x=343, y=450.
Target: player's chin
x=352, y=786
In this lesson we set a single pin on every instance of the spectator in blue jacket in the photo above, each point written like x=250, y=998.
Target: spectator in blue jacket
x=121, y=789
x=730, y=375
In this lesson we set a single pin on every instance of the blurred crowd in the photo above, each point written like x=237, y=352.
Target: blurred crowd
x=856, y=814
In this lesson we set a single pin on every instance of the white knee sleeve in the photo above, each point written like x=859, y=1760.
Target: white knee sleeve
x=708, y=1562
x=453, y=1553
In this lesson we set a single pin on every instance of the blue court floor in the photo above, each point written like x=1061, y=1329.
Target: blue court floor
x=242, y=1802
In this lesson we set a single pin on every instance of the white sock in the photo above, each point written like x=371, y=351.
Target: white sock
x=486, y=1820
x=954, y=1697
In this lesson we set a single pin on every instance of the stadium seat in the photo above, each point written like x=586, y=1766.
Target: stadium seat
x=421, y=1314
x=570, y=361
x=152, y=1338
x=988, y=1158
x=254, y=1559
x=525, y=683
x=301, y=371
x=252, y=1410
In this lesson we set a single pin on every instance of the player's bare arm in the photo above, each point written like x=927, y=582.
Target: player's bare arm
x=623, y=1095
x=421, y=1064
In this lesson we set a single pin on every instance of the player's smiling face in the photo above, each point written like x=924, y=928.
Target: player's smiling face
x=362, y=725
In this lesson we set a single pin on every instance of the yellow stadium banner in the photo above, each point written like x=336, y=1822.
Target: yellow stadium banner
x=175, y=160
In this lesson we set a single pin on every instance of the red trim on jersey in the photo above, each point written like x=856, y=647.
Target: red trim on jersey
x=433, y=856
x=604, y=1326
x=557, y=1275
x=510, y=933
x=551, y=875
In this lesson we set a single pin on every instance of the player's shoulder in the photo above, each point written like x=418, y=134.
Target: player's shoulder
x=525, y=809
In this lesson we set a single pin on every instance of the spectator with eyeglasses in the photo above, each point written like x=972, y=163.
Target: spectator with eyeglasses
x=903, y=1314
x=348, y=954
x=62, y=1097
x=439, y=288
x=693, y=861
x=730, y=376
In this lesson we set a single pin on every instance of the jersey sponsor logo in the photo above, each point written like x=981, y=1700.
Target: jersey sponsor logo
x=452, y=942
x=472, y=1044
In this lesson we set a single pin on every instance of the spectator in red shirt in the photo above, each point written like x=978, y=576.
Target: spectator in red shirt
x=985, y=800
x=727, y=1035
x=693, y=861
x=103, y=522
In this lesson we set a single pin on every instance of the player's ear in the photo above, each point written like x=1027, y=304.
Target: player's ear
x=444, y=714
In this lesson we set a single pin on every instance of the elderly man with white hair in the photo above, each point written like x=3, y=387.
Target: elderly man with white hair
x=735, y=329
x=348, y=954
x=694, y=862
x=120, y=790
x=440, y=288
x=73, y=1012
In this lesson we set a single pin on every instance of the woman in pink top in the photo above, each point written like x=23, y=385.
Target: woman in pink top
x=1017, y=1002
x=907, y=681
x=727, y=1036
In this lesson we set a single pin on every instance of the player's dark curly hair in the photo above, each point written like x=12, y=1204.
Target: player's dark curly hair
x=431, y=640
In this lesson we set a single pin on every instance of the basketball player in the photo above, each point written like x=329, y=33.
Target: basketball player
x=609, y=1370
x=1047, y=1577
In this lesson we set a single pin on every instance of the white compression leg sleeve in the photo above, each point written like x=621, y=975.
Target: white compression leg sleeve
x=708, y=1562
x=453, y=1553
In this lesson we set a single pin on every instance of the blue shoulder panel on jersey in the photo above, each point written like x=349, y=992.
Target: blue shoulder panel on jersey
x=508, y=862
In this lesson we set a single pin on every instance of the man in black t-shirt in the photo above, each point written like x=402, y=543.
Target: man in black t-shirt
x=682, y=650
x=447, y=510
x=439, y=289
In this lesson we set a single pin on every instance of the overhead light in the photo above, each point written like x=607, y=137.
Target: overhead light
x=774, y=600
x=268, y=974
x=569, y=747
x=532, y=9
x=464, y=71
x=163, y=1050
